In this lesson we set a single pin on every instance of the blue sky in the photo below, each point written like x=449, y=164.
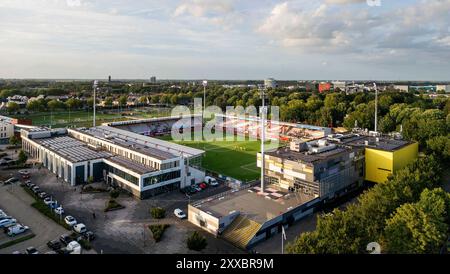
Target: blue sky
x=225, y=39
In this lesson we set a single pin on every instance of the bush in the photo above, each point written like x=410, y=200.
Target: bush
x=113, y=205
x=158, y=231
x=158, y=212
x=114, y=194
x=45, y=209
x=85, y=244
x=196, y=241
x=91, y=189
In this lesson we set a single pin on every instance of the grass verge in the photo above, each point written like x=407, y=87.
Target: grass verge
x=18, y=240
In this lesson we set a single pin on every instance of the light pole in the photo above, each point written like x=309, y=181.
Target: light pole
x=205, y=83
x=262, y=137
x=95, y=88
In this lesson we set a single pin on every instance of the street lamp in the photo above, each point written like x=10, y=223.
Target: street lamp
x=205, y=83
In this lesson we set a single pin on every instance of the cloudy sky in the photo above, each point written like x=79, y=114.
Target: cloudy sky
x=225, y=39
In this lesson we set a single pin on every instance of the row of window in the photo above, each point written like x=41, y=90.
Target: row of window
x=161, y=178
x=122, y=174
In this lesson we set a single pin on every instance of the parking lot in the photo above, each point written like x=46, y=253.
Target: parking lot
x=16, y=203
x=121, y=231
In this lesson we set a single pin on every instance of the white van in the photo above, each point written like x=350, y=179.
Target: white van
x=74, y=247
x=211, y=181
x=79, y=228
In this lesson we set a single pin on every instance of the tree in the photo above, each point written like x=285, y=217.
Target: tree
x=123, y=100
x=108, y=101
x=22, y=158
x=114, y=194
x=419, y=227
x=14, y=141
x=158, y=212
x=54, y=105
x=73, y=103
x=440, y=147
x=196, y=242
x=12, y=107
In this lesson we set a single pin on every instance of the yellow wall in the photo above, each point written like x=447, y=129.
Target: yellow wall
x=405, y=156
x=380, y=164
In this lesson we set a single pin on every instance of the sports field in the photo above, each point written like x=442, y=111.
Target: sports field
x=236, y=159
x=84, y=118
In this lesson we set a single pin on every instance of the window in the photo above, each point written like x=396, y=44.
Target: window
x=162, y=178
x=122, y=174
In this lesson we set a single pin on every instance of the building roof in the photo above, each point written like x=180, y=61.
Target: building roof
x=304, y=156
x=252, y=205
x=157, y=148
x=71, y=149
x=129, y=164
x=381, y=143
x=124, y=139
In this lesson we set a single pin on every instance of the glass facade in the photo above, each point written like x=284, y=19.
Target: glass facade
x=122, y=174
x=161, y=178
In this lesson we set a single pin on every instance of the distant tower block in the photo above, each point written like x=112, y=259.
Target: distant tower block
x=109, y=79
x=153, y=80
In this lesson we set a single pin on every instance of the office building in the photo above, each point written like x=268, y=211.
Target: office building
x=153, y=80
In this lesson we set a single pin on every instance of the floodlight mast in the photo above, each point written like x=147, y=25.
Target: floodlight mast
x=263, y=136
x=95, y=88
x=376, y=107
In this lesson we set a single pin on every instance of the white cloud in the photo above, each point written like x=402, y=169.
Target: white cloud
x=201, y=8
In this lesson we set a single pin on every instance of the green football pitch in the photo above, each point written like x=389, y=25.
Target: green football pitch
x=236, y=159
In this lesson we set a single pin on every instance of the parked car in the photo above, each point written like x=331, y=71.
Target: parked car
x=53, y=205
x=17, y=229
x=36, y=189
x=10, y=181
x=79, y=228
x=197, y=188
x=3, y=217
x=30, y=186
x=59, y=210
x=42, y=195
x=211, y=181
x=179, y=213
x=47, y=200
x=65, y=239
x=74, y=247
x=31, y=250
x=28, y=183
x=24, y=172
x=8, y=222
x=54, y=245
x=202, y=185
x=70, y=220
x=89, y=235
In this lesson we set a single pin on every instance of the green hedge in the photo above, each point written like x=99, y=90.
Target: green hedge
x=158, y=231
x=45, y=209
x=158, y=212
x=18, y=240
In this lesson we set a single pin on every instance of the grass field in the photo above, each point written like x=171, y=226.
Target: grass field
x=84, y=118
x=236, y=159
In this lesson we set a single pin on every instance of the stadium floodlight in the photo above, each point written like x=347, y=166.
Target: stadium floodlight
x=95, y=88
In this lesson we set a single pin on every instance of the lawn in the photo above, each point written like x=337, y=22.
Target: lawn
x=236, y=159
x=83, y=118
